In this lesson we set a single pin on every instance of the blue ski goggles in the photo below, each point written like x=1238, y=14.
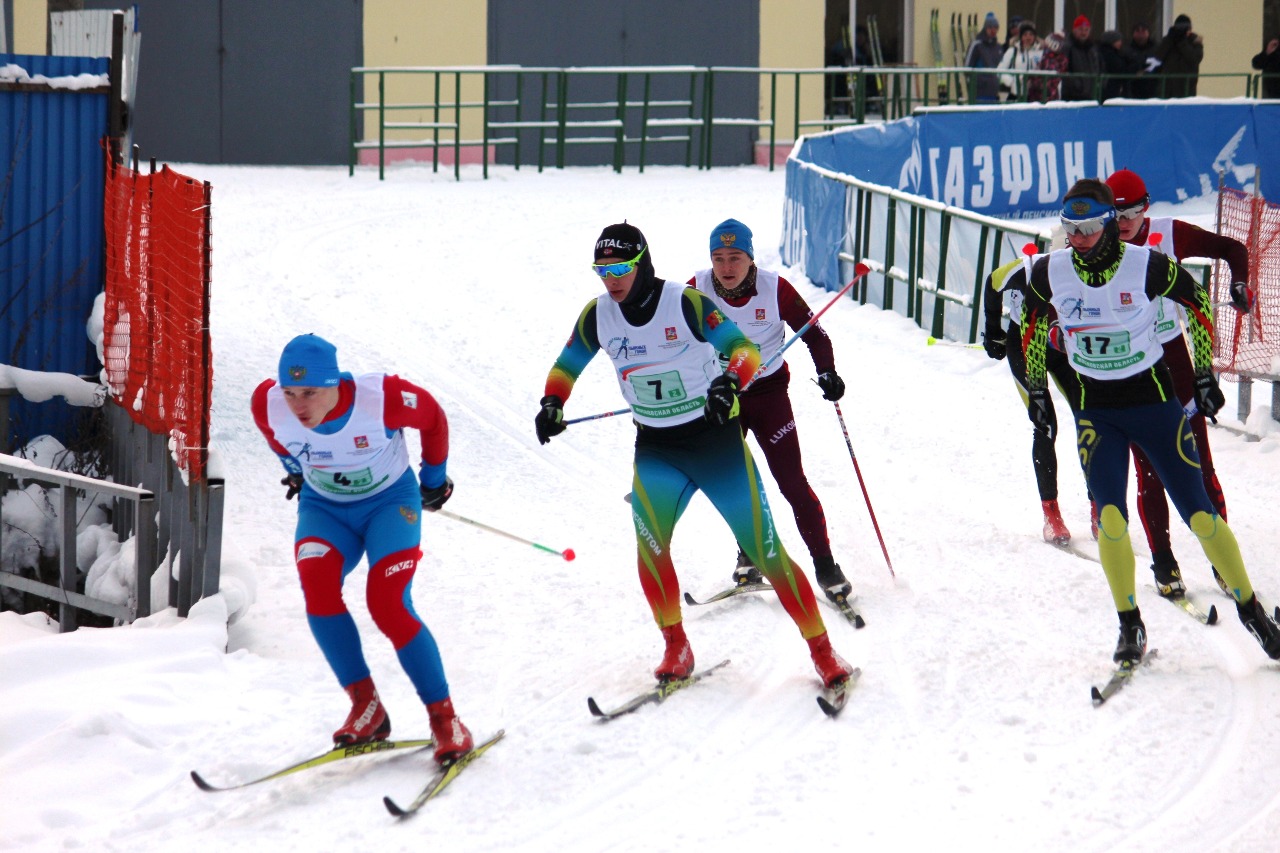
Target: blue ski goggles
x=618, y=270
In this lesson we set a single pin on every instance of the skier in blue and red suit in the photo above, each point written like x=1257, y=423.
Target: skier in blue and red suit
x=662, y=340
x=341, y=441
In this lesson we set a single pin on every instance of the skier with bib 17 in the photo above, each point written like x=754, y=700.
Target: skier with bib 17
x=1105, y=294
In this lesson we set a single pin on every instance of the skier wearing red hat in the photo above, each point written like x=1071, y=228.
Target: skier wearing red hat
x=1178, y=240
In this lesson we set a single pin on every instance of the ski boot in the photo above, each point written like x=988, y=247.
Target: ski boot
x=368, y=720
x=677, y=662
x=831, y=668
x=746, y=572
x=1255, y=619
x=1055, y=530
x=452, y=738
x=833, y=582
x=1168, y=577
x=1132, y=644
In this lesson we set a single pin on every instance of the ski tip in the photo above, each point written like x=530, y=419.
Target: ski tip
x=395, y=810
x=594, y=708
x=827, y=708
x=690, y=600
x=1213, y=615
x=200, y=783
x=859, y=622
x=1098, y=698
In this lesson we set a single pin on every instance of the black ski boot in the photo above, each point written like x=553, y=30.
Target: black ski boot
x=833, y=582
x=746, y=572
x=1254, y=618
x=1168, y=577
x=1132, y=644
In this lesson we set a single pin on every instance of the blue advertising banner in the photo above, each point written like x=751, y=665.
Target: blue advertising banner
x=813, y=224
x=1018, y=161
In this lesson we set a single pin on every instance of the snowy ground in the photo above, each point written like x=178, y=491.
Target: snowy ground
x=971, y=728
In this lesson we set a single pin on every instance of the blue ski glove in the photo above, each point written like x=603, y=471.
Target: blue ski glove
x=433, y=499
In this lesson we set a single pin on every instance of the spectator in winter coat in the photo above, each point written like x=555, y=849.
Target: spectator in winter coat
x=1024, y=56
x=1042, y=88
x=1180, y=53
x=1268, y=62
x=986, y=52
x=1116, y=65
x=1142, y=53
x=1014, y=36
x=1083, y=63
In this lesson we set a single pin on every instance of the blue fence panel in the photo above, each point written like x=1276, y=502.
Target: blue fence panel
x=51, y=235
x=1018, y=162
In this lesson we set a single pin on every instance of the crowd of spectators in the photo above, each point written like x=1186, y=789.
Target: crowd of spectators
x=1098, y=68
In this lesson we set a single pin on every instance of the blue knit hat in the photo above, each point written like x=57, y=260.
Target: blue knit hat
x=991, y=21
x=732, y=234
x=309, y=360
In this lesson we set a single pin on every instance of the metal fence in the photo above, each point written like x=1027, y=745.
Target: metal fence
x=537, y=113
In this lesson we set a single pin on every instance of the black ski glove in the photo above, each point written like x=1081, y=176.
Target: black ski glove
x=550, y=418
x=1041, y=412
x=996, y=344
x=832, y=385
x=722, y=399
x=433, y=499
x=1241, y=297
x=292, y=484
x=1209, y=398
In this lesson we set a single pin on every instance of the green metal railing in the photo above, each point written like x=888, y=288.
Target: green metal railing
x=929, y=261
x=546, y=107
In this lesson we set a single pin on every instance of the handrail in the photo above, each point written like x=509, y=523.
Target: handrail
x=505, y=102
x=873, y=239
x=68, y=599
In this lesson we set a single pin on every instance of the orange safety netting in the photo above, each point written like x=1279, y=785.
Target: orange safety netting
x=156, y=350
x=1249, y=345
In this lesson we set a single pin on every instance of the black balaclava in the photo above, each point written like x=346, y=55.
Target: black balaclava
x=622, y=242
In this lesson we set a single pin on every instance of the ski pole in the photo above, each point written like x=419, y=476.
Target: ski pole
x=597, y=417
x=567, y=553
x=865, y=496
x=932, y=341
x=859, y=270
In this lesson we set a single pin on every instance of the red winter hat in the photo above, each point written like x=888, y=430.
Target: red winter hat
x=1128, y=188
x=1080, y=21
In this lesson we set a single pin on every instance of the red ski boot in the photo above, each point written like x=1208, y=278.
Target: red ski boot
x=831, y=668
x=1055, y=530
x=678, y=660
x=451, y=736
x=368, y=720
